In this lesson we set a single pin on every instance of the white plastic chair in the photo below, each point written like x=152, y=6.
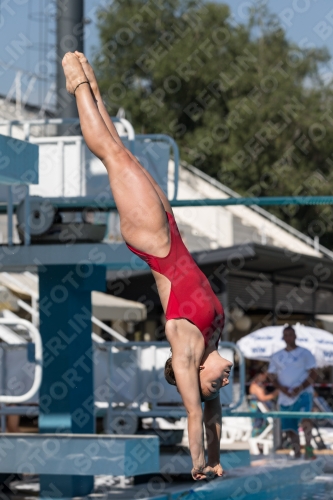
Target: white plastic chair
x=235, y=429
x=265, y=439
x=327, y=436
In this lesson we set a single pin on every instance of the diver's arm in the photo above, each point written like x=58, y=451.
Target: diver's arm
x=195, y=437
x=213, y=422
x=186, y=373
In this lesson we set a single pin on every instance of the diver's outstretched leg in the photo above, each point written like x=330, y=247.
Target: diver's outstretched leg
x=89, y=72
x=143, y=220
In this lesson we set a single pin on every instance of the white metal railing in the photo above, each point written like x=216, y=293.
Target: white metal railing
x=278, y=222
x=30, y=310
x=36, y=339
x=108, y=330
x=33, y=309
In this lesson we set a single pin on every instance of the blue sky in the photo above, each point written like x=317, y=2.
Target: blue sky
x=305, y=21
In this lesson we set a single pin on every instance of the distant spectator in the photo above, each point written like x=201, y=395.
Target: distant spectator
x=257, y=393
x=293, y=372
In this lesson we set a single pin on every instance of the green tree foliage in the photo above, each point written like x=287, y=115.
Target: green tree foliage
x=244, y=103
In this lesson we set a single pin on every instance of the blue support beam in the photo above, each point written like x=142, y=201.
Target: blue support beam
x=83, y=203
x=66, y=394
x=279, y=414
x=260, y=201
x=78, y=203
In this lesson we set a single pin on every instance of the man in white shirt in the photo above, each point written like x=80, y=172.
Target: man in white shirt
x=293, y=372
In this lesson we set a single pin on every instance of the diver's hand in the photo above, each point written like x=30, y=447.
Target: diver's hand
x=203, y=473
x=218, y=470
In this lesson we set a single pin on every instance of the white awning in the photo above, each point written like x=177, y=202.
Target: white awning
x=108, y=307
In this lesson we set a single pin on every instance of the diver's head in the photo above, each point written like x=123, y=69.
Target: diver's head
x=214, y=373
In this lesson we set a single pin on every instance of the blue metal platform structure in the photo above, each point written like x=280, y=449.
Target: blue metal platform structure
x=67, y=276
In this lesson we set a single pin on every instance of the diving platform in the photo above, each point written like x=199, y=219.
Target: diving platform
x=79, y=454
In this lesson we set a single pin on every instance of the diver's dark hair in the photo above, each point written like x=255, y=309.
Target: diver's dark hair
x=169, y=373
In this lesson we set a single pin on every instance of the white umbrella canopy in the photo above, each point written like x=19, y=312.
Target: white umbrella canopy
x=263, y=343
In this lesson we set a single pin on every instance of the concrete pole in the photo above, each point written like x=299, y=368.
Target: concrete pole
x=70, y=35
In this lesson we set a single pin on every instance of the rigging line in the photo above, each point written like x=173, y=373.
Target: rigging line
x=45, y=48
x=45, y=41
x=29, y=33
x=47, y=32
x=42, y=49
x=40, y=53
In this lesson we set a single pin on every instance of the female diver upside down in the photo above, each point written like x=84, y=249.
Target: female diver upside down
x=194, y=314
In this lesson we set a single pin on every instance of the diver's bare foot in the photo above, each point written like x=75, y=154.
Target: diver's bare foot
x=73, y=72
x=89, y=72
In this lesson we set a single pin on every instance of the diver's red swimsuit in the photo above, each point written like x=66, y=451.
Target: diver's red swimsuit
x=191, y=296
